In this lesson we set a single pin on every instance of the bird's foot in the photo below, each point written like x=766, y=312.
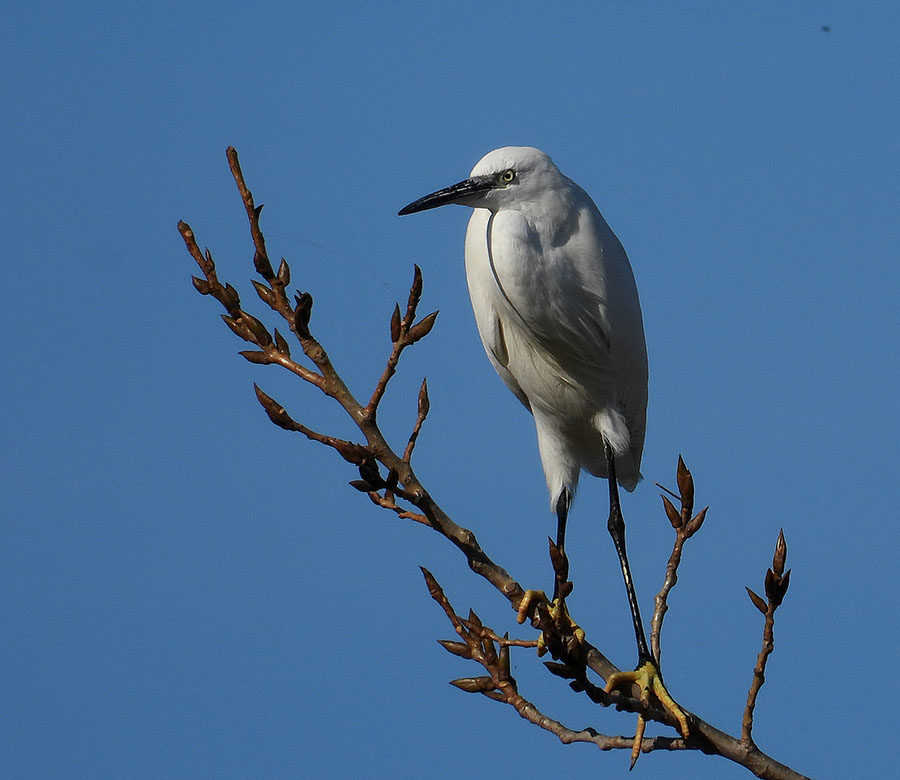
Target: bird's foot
x=564, y=628
x=649, y=680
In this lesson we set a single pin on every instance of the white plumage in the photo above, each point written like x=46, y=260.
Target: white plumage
x=558, y=312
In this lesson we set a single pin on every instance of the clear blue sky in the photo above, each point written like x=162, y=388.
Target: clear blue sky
x=188, y=592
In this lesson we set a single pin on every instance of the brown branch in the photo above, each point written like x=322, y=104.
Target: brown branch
x=499, y=685
x=777, y=581
x=401, y=482
x=423, y=406
x=386, y=501
x=403, y=334
x=685, y=527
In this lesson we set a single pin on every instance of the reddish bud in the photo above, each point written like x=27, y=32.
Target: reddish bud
x=694, y=525
x=672, y=513
x=422, y=328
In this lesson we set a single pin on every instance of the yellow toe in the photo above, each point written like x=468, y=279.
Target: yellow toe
x=648, y=679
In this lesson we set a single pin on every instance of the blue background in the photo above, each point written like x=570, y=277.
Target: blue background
x=188, y=591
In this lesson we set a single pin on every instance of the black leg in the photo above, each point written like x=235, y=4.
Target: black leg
x=562, y=512
x=616, y=526
x=560, y=561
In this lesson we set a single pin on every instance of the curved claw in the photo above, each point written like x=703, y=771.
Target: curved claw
x=558, y=612
x=529, y=604
x=648, y=678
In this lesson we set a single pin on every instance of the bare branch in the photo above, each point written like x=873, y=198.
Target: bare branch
x=777, y=581
x=423, y=406
x=401, y=483
x=500, y=685
x=685, y=527
x=403, y=334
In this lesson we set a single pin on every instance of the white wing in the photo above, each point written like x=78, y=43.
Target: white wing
x=559, y=316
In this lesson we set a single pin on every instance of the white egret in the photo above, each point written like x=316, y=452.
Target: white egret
x=557, y=309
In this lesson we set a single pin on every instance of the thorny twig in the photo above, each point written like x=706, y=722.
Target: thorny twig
x=400, y=482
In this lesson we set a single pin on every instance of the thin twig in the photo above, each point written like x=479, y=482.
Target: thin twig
x=777, y=581
x=421, y=413
x=685, y=527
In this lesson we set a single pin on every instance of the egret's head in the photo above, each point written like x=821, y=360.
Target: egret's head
x=504, y=177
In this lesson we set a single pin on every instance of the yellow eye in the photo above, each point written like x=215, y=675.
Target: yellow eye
x=508, y=176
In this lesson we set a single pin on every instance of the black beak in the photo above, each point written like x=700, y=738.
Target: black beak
x=453, y=194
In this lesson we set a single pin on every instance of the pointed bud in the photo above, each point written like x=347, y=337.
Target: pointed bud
x=395, y=324
x=694, y=525
x=362, y=486
x=672, y=513
x=685, y=486
x=230, y=299
x=560, y=670
x=257, y=329
x=434, y=589
x=238, y=328
x=424, y=403
x=782, y=587
x=772, y=582
x=474, y=684
x=275, y=411
x=757, y=601
x=284, y=273
x=263, y=266
x=265, y=293
x=422, y=328
x=504, y=657
x=474, y=619
x=415, y=291
x=456, y=648
x=281, y=344
x=256, y=357
x=780, y=553
x=488, y=651
x=201, y=285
